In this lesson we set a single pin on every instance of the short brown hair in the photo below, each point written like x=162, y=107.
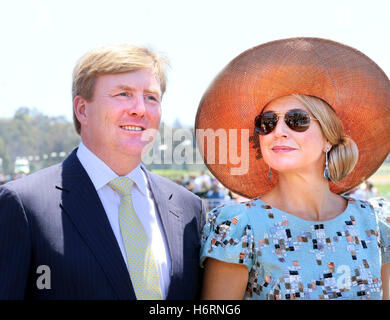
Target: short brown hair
x=113, y=60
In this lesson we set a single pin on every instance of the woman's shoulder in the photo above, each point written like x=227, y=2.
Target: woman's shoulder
x=240, y=212
x=376, y=210
x=229, y=235
x=378, y=205
x=381, y=207
x=359, y=204
x=382, y=213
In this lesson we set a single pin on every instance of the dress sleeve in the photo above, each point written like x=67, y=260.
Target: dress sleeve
x=227, y=236
x=382, y=211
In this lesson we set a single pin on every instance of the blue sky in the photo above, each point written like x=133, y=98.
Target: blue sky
x=41, y=41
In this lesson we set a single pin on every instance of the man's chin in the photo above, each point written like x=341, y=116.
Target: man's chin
x=136, y=150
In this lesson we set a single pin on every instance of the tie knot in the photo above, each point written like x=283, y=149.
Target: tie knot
x=122, y=185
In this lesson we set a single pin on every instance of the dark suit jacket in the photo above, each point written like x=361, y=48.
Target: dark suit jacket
x=55, y=218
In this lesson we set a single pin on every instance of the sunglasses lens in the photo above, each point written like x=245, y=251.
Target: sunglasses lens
x=266, y=122
x=297, y=120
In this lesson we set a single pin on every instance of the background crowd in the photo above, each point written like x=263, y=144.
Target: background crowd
x=210, y=190
x=213, y=193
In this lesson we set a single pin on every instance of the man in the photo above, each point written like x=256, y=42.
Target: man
x=70, y=232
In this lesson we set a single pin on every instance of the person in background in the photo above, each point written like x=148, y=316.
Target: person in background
x=189, y=183
x=215, y=192
x=202, y=184
x=365, y=191
x=215, y=196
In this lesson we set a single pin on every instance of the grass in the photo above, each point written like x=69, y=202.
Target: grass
x=381, y=180
x=384, y=169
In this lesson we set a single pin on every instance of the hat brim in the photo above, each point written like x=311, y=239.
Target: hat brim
x=356, y=88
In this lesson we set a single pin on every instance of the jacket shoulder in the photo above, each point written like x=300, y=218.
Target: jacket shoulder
x=37, y=182
x=171, y=186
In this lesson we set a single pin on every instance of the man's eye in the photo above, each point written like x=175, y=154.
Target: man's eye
x=122, y=94
x=152, y=98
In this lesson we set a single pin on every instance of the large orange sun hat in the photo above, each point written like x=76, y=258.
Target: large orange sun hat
x=355, y=86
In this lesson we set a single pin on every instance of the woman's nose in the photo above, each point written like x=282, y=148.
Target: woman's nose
x=281, y=128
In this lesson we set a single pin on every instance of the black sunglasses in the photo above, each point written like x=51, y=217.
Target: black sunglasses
x=296, y=119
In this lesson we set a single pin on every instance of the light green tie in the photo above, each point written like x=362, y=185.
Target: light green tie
x=140, y=260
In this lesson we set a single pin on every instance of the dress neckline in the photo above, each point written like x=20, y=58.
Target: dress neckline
x=350, y=201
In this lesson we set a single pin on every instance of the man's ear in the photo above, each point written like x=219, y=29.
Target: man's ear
x=79, y=108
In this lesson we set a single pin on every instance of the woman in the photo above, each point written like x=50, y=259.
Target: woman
x=300, y=239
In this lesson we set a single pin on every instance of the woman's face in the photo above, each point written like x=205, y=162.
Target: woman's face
x=286, y=150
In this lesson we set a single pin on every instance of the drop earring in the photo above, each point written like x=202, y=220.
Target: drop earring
x=270, y=174
x=326, y=170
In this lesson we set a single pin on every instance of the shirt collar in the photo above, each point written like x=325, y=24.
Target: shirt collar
x=101, y=174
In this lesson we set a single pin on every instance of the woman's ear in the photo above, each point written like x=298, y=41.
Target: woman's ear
x=328, y=146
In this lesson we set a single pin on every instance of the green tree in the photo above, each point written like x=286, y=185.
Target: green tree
x=34, y=135
x=6, y=161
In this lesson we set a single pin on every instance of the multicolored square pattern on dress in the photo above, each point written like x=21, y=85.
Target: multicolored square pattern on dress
x=291, y=258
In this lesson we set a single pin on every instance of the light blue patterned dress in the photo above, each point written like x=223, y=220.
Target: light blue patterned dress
x=291, y=258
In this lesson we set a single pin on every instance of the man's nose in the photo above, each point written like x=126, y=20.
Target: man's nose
x=137, y=106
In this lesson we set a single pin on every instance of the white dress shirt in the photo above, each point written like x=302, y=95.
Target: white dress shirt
x=143, y=203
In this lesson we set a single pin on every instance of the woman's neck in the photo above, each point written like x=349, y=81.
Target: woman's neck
x=306, y=198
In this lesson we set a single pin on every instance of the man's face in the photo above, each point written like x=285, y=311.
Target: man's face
x=123, y=107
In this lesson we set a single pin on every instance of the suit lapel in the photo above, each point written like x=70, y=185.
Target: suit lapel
x=82, y=204
x=172, y=223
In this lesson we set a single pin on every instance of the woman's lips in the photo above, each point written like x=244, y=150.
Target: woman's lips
x=282, y=149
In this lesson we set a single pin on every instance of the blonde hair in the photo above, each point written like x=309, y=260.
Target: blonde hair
x=113, y=60
x=344, y=153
